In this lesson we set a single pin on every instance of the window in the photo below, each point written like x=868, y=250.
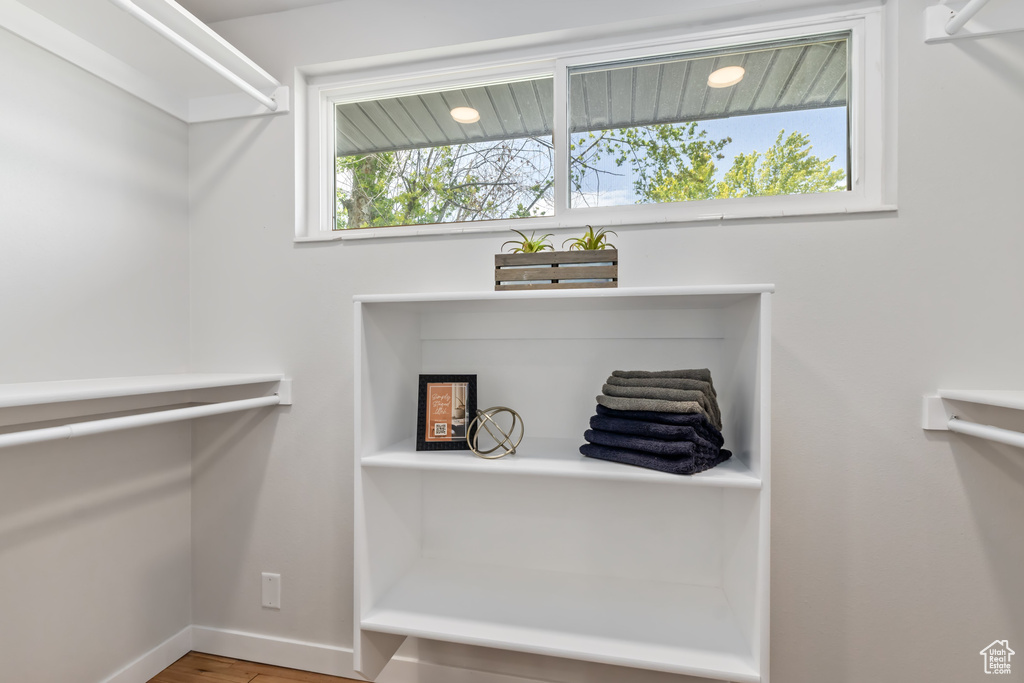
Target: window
x=778, y=120
x=468, y=154
x=717, y=124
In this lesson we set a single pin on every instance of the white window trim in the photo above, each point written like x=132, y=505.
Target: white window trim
x=872, y=122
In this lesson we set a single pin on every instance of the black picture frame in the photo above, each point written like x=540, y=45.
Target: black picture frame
x=428, y=437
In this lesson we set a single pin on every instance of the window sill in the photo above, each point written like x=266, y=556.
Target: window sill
x=612, y=217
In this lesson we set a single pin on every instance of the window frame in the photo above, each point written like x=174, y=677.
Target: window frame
x=870, y=122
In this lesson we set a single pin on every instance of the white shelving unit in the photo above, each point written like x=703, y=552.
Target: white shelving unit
x=547, y=551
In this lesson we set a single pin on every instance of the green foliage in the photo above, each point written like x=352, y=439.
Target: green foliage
x=786, y=168
x=528, y=245
x=514, y=178
x=591, y=240
x=677, y=162
x=671, y=162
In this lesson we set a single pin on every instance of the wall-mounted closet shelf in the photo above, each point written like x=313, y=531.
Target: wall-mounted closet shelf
x=36, y=393
x=42, y=393
x=174, y=61
x=940, y=413
x=975, y=19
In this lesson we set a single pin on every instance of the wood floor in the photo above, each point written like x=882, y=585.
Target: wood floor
x=196, y=667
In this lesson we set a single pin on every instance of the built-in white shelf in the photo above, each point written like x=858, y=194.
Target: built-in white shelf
x=38, y=393
x=547, y=551
x=673, y=627
x=555, y=457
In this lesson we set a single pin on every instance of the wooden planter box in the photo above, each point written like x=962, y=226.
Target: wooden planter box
x=557, y=270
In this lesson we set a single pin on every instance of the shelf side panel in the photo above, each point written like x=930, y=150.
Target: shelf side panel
x=739, y=386
x=389, y=376
x=373, y=651
x=392, y=515
x=741, y=517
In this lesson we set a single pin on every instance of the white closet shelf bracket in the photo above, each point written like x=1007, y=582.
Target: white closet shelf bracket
x=942, y=23
x=940, y=415
x=149, y=20
x=13, y=395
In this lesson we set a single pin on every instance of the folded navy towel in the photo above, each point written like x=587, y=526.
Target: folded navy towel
x=650, y=404
x=666, y=449
x=654, y=430
x=710, y=406
x=666, y=382
x=684, y=465
x=696, y=419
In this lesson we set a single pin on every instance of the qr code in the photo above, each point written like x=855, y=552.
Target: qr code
x=440, y=429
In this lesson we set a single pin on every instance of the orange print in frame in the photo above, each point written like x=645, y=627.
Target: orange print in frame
x=446, y=406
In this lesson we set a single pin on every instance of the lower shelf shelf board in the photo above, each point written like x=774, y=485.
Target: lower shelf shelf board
x=657, y=625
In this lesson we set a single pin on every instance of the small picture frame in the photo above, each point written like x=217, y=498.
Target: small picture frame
x=447, y=404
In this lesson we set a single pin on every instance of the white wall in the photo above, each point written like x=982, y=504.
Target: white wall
x=94, y=534
x=896, y=554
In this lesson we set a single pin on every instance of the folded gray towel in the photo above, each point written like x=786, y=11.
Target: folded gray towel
x=650, y=404
x=699, y=426
x=667, y=449
x=666, y=382
x=703, y=374
x=709, y=406
x=684, y=465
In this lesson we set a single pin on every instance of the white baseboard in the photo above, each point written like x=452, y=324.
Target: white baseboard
x=329, y=659
x=156, y=660
x=293, y=654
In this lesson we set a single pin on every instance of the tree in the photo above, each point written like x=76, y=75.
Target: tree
x=466, y=182
x=671, y=162
x=788, y=168
x=514, y=178
x=676, y=162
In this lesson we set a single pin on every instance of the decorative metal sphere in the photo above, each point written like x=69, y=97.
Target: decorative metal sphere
x=503, y=439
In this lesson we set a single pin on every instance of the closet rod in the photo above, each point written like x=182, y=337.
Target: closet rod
x=130, y=421
x=171, y=35
x=958, y=20
x=1007, y=436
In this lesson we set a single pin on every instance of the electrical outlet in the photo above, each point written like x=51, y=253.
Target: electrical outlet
x=272, y=590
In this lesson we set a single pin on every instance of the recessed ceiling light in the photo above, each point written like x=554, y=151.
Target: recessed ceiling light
x=726, y=76
x=465, y=114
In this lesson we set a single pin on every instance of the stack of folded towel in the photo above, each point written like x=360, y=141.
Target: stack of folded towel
x=667, y=421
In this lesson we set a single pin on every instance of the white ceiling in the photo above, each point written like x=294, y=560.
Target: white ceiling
x=219, y=10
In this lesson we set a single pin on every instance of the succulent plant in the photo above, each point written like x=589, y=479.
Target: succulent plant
x=529, y=245
x=591, y=240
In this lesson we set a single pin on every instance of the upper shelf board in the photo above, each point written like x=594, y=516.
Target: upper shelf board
x=936, y=413
x=998, y=16
x=106, y=41
x=989, y=397
x=37, y=393
x=611, y=293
